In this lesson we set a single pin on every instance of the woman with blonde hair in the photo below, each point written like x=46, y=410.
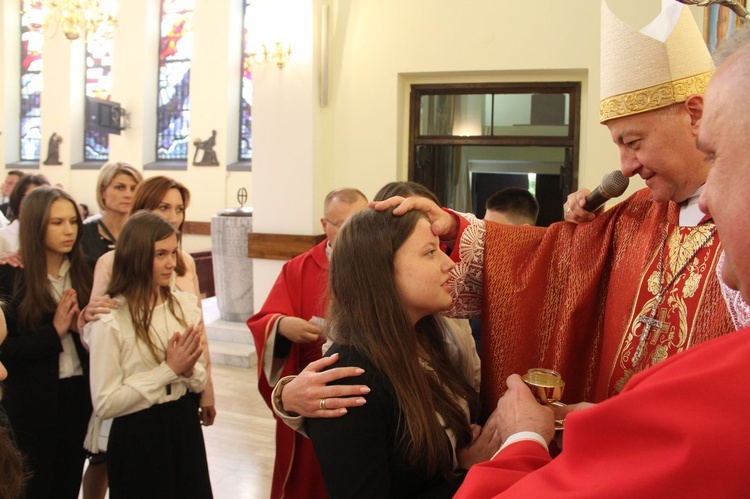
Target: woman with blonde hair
x=115, y=186
x=114, y=195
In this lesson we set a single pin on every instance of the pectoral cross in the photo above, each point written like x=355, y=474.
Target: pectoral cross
x=650, y=322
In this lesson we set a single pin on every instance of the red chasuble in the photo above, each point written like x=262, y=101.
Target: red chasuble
x=677, y=430
x=576, y=298
x=299, y=291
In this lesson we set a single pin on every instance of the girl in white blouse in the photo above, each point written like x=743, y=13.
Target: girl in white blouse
x=145, y=357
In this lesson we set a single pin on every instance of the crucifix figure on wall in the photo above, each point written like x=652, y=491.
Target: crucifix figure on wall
x=207, y=146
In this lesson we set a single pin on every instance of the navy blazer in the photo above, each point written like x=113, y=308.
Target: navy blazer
x=32, y=357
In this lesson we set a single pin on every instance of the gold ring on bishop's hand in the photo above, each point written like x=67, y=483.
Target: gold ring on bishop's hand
x=323, y=404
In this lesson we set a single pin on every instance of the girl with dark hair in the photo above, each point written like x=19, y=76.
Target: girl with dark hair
x=169, y=199
x=11, y=463
x=9, y=234
x=388, y=278
x=405, y=189
x=47, y=399
x=142, y=370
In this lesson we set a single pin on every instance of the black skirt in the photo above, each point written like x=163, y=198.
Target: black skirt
x=158, y=452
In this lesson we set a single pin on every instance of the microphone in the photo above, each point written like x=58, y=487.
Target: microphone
x=613, y=185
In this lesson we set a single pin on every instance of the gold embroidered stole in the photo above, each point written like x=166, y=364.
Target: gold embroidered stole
x=677, y=311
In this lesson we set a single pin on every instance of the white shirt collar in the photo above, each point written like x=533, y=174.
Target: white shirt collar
x=59, y=284
x=690, y=214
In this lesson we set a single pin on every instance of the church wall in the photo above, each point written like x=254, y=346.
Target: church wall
x=301, y=149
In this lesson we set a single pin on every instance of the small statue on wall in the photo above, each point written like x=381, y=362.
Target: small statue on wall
x=207, y=146
x=53, y=150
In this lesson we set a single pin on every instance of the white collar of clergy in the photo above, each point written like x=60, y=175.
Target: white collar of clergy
x=690, y=214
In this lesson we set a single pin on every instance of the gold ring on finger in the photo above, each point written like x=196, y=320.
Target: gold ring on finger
x=323, y=404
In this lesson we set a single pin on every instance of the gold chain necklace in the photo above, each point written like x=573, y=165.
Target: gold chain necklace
x=651, y=322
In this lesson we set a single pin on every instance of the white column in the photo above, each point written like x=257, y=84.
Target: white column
x=284, y=109
x=63, y=80
x=215, y=103
x=10, y=87
x=135, y=70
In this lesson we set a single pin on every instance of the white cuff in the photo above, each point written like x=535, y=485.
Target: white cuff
x=520, y=436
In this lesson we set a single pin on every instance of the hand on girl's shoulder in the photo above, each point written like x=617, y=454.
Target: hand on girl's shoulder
x=11, y=258
x=113, y=316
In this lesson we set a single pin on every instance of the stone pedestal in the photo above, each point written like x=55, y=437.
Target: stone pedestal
x=233, y=270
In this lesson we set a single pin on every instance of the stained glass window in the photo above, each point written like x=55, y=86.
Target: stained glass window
x=98, y=85
x=246, y=99
x=175, y=53
x=32, y=17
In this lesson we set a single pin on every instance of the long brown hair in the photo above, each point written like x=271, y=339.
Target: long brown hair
x=133, y=274
x=33, y=292
x=148, y=196
x=405, y=189
x=12, y=475
x=366, y=313
x=19, y=192
x=11, y=465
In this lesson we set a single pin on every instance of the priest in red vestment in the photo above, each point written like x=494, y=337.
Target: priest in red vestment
x=288, y=336
x=603, y=300
x=679, y=428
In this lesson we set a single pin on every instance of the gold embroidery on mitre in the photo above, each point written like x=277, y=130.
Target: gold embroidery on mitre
x=653, y=97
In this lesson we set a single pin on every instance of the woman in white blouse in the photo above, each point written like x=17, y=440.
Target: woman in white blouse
x=146, y=357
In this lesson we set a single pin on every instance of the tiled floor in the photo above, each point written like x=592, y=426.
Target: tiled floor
x=240, y=445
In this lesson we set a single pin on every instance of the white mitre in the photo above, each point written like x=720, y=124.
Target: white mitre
x=662, y=64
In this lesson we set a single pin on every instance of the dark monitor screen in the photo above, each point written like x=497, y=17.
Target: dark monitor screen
x=103, y=115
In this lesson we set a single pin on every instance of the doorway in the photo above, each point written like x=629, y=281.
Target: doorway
x=468, y=141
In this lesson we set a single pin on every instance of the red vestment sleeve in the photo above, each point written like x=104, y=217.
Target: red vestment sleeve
x=678, y=429
x=299, y=291
x=462, y=224
x=510, y=465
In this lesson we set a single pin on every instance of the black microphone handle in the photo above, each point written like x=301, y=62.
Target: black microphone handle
x=595, y=200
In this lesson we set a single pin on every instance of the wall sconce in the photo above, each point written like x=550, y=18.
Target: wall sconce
x=280, y=55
